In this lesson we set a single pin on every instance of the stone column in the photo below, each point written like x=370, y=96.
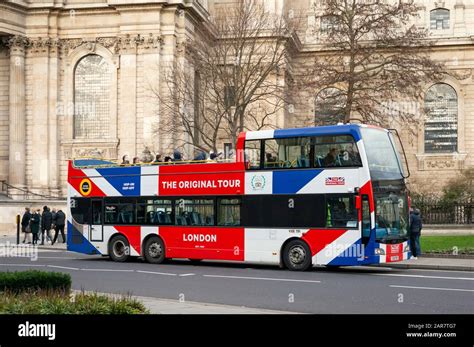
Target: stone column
x=17, y=106
x=53, y=129
x=127, y=128
x=38, y=153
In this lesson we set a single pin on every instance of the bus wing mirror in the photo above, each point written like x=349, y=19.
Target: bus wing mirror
x=358, y=202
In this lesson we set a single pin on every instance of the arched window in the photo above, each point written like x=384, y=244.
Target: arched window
x=441, y=125
x=439, y=19
x=329, y=106
x=92, y=80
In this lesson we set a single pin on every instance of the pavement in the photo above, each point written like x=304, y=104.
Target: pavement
x=434, y=263
x=180, y=286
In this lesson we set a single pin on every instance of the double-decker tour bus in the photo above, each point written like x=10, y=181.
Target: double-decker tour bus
x=329, y=195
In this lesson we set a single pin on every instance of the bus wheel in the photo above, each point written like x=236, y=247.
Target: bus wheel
x=154, y=250
x=119, y=248
x=297, y=255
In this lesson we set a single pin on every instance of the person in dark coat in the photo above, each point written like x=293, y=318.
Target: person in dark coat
x=46, y=222
x=415, y=232
x=60, y=222
x=53, y=214
x=35, y=225
x=200, y=156
x=25, y=225
x=177, y=156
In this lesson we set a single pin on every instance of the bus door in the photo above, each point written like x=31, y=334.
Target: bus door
x=366, y=220
x=96, y=232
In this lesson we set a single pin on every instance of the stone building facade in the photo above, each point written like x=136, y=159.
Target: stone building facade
x=63, y=60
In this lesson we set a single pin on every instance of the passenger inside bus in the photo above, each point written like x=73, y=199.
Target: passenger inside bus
x=330, y=158
x=270, y=160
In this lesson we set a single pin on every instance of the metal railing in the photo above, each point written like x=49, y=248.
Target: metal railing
x=115, y=163
x=13, y=192
x=446, y=212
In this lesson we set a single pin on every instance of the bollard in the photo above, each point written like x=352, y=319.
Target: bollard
x=17, y=229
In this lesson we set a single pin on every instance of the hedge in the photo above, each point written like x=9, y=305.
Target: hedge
x=34, y=281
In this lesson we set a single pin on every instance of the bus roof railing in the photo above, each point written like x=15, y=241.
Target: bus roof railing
x=106, y=163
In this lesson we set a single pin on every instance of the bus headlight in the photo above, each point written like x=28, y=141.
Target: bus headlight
x=407, y=249
x=379, y=251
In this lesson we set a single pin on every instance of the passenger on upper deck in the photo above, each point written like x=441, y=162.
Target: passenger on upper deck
x=177, y=156
x=125, y=160
x=349, y=156
x=215, y=156
x=136, y=161
x=330, y=158
x=157, y=159
x=200, y=156
x=270, y=160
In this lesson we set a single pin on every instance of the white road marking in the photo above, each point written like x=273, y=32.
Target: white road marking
x=183, y=275
x=40, y=257
x=157, y=273
x=432, y=288
x=262, y=278
x=63, y=267
x=424, y=276
x=111, y=270
x=37, y=265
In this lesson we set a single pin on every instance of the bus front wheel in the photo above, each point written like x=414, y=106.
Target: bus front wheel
x=297, y=255
x=119, y=248
x=154, y=250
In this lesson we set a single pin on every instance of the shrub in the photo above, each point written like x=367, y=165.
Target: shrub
x=56, y=303
x=34, y=281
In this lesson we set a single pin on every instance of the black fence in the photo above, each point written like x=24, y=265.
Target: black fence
x=445, y=212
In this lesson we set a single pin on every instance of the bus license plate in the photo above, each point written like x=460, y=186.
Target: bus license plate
x=395, y=258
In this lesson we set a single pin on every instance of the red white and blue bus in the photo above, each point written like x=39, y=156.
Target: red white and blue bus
x=330, y=195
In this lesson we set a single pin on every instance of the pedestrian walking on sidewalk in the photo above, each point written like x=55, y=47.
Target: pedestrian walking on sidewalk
x=60, y=222
x=35, y=225
x=46, y=222
x=415, y=232
x=25, y=225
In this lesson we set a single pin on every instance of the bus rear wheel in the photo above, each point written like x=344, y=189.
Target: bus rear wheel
x=154, y=250
x=119, y=248
x=297, y=255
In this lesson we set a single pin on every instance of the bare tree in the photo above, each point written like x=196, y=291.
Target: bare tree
x=230, y=80
x=373, y=57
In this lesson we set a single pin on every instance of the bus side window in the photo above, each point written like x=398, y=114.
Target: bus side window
x=253, y=153
x=271, y=159
x=335, y=151
x=96, y=212
x=228, y=212
x=341, y=212
x=195, y=212
x=80, y=210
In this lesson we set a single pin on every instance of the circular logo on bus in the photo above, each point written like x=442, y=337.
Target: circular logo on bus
x=258, y=182
x=85, y=187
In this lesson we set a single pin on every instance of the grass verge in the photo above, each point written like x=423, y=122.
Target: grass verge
x=448, y=244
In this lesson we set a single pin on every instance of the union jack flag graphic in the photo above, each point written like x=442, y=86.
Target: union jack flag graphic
x=335, y=181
